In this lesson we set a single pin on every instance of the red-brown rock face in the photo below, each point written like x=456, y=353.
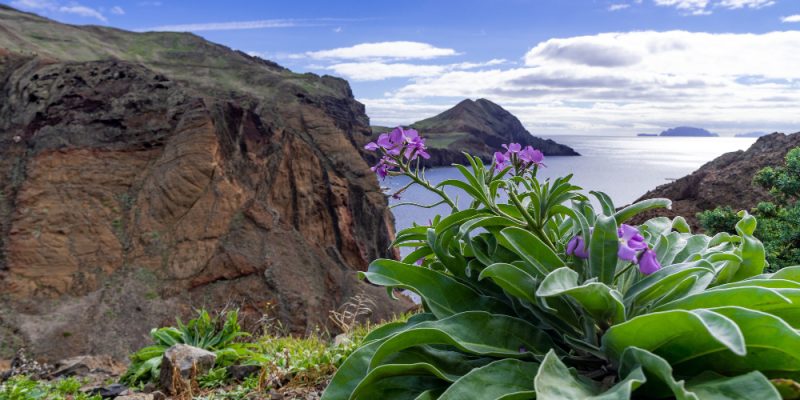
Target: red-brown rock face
x=725, y=181
x=127, y=199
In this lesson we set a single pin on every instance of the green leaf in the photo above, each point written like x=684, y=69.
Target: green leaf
x=658, y=372
x=444, y=295
x=599, y=300
x=605, y=202
x=512, y=279
x=637, y=208
x=677, y=335
x=475, y=332
x=531, y=249
x=773, y=347
x=749, y=297
x=554, y=381
x=753, y=385
x=603, y=248
x=659, y=284
x=500, y=379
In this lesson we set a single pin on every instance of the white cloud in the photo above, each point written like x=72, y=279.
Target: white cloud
x=225, y=26
x=399, y=50
x=734, y=4
x=58, y=8
x=614, y=82
x=694, y=7
x=791, y=18
x=376, y=71
x=83, y=11
x=117, y=10
x=617, y=7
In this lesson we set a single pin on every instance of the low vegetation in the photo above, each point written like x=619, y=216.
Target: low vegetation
x=534, y=291
x=24, y=388
x=777, y=219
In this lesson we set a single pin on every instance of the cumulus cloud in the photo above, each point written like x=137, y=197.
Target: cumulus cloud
x=791, y=18
x=376, y=71
x=58, y=8
x=611, y=82
x=398, y=50
x=694, y=7
x=117, y=10
x=734, y=4
x=617, y=7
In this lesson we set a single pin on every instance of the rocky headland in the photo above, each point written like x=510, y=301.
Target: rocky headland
x=144, y=175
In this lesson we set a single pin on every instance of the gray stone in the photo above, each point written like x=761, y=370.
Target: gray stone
x=188, y=362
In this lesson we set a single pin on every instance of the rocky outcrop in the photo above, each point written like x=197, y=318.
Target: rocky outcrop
x=478, y=127
x=725, y=181
x=129, y=196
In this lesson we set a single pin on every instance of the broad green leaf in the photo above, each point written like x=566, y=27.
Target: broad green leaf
x=391, y=328
x=512, y=279
x=788, y=273
x=660, y=380
x=503, y=379
x=749, y=297
x=599, y=300
x=753, y=385
x=400, y=388
x=475, y=332
x=752, y=250
x=679, y=224
x=531, y=249
x=659, y=284
x=773, y=347
x=444, y=295
x=637, y=208
x=788, y=388
x=676, y=335
x=554, y=381
x=603, y=248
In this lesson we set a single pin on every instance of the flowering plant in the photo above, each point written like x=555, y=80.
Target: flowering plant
x=529, y=292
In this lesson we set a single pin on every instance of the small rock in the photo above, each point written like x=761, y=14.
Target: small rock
x=240, y=372
x=189, y=362
x=84, y=365
x=109, y=392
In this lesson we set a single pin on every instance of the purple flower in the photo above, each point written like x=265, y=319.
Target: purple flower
x=512, y=148
x=531, y=156
x=577, y=247
x=381, y=168
x=416, y=146
x=371, y=146
x=648, y=263
x=501, y=161
x=631, y=241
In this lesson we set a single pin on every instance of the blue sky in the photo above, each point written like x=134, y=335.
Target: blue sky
x=562, y=66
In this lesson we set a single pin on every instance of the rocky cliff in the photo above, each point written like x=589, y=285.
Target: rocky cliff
x=725, y=181
x=143, y=175
x=478, y=127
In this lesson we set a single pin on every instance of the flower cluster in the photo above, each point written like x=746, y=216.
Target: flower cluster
x=518, y=157
x=632, y=247
x=398, y=145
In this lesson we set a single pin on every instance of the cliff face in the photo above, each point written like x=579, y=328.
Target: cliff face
x=478, y=127
x=130, y=195
x=725, y=181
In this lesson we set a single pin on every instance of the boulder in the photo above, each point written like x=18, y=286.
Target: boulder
x=181, y=364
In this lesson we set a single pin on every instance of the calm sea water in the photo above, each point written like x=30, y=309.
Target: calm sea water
x=623, y=167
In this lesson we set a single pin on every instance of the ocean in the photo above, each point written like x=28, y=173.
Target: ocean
x=623, y=167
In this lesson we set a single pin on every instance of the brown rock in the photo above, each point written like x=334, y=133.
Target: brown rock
x=140, y=191
x=181, y=364
x=724, y=181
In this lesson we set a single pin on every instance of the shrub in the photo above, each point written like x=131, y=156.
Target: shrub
x=23, y=388
x=778, y=219
x=214, y=334
x=529, y=292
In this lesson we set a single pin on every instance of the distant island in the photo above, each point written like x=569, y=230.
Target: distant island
x=757, y=134
x=647, y=134
x=478, y=127
x=688, y=131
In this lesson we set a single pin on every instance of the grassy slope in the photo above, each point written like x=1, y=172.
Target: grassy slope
x=180, y=56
